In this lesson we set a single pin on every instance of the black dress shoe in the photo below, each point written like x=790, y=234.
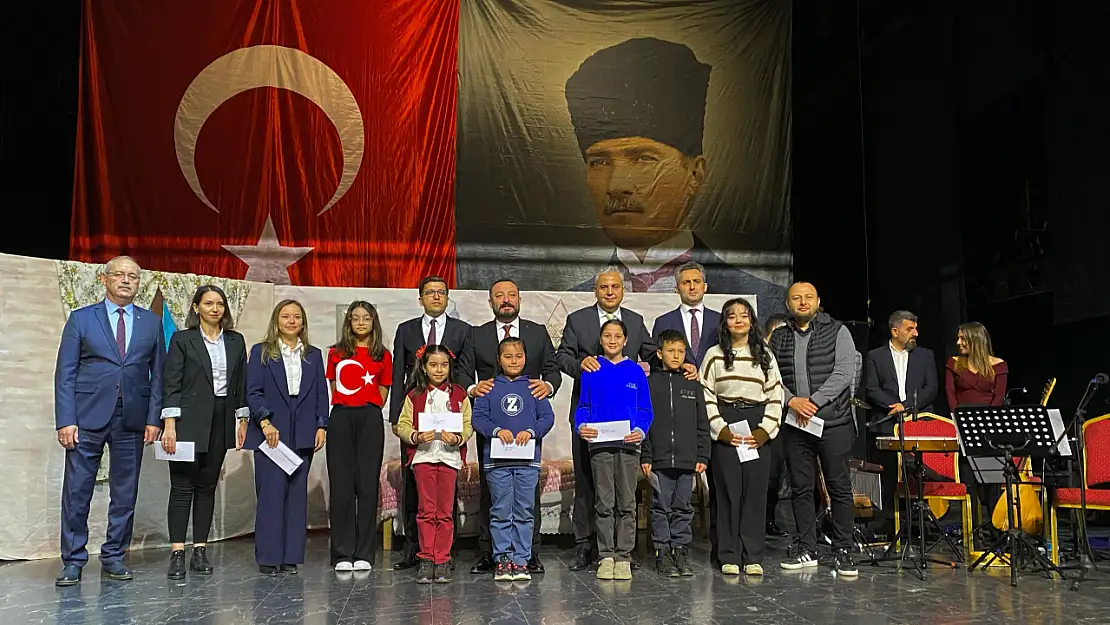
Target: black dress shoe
x=773, y=529
x=267, y=570
x=199, y=563
x=482, y=566
x=70, y=576
x=583, y=558
x=535, y=566
x=116, y=571
x=405, y=564
x=177, y=565
x=291, y=569
x=634, y=563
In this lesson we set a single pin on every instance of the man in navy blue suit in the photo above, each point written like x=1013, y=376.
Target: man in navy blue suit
x=107, y=389
x=696, y=322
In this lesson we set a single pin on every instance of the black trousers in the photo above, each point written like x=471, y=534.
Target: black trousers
x=485, y=542
x=193, y=484
x=585, y=523
x=834, y=448
x=776, y=471
x=356, y=441
x=741, y=494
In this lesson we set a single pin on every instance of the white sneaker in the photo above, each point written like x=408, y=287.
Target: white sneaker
x=753, y=569
x=730, y=569
x=362, y=565
x=343, y=566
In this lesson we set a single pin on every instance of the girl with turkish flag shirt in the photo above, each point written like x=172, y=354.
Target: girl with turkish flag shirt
x=360, y=369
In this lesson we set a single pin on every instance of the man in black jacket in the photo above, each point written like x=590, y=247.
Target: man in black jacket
x=677, y=448
x=543, y=372
x=434, y=327
x=816, y=356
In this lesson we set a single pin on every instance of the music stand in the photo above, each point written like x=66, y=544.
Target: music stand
x=1003, y=431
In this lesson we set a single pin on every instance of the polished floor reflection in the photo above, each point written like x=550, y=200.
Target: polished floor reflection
x=237, y=594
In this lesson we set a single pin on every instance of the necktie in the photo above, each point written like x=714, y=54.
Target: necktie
x=610, y=317
x=432, y=333
x=121, y=334
x=506, y=329
x=695, y=332
x=643, y=281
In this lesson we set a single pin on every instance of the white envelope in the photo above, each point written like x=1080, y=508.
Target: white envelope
x=185, y=452
x=512, y=451
x=611, y=431
x=816, y=425
x=285, y=458
x=441, y=422
x=742, y=429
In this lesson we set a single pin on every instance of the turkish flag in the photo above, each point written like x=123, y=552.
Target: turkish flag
x=310, y=141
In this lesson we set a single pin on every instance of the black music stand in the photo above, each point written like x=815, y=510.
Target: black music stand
x=1000, y=432
x=917, y=511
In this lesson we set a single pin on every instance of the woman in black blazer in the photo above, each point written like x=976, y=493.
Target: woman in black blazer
x=205, y=390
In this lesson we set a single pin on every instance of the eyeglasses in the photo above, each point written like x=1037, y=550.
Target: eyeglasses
x=436, y=293
x=119, y=275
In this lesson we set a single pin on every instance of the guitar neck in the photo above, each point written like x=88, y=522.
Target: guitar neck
x=1048, y=388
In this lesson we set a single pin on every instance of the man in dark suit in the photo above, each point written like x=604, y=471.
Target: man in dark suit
x=107, y=389
x=543, y=372
x=434, y=327
x=696, y=322
x=638, y=108
x=893, y=376
x=578, y=352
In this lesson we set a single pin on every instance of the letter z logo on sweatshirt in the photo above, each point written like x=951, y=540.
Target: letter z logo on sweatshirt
x=512, y=404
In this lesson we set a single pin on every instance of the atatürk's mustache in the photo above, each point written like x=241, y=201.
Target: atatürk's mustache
x=622, y=204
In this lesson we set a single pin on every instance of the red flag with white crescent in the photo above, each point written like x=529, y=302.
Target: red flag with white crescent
x=289, y=141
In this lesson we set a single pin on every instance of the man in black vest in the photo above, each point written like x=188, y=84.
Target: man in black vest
x=816, y=357
x=542, y=370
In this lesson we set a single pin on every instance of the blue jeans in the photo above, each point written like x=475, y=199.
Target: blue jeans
x=512, y=491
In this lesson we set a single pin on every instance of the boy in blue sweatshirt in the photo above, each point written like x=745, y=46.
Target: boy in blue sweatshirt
x=511, y=415
x=618, y=391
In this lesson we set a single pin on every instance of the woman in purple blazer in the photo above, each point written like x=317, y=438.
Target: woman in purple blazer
x=288, y=399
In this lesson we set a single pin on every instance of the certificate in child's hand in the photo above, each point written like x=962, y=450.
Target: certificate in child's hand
x=609, y=431
x=441, y=422
x=500, y=451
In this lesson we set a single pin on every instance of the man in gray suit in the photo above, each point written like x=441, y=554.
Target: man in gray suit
x=578, y=352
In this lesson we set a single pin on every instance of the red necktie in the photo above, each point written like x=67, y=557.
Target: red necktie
x=506, y=329
x=121, y=334
x=641, y=282
x=695, y=333
x=432, y=333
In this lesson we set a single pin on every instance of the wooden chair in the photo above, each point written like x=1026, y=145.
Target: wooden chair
x=1096, y=472
x=946, y=465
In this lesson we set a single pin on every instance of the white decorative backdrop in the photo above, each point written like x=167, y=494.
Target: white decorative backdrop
x=32, y=314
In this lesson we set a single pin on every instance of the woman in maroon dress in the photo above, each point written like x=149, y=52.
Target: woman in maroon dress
x=975, y=378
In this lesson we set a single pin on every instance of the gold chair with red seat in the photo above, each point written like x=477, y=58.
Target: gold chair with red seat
x=937, y=493
x=1096, y=473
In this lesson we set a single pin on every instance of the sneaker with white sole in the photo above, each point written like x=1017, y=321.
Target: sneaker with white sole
x=520, y=573
x=799, y=558
x=503, y=572
x=344, y=566
x=605, y=569
x=622, y=570
x=730, y=569
x=362, y=565
x=845, y=565
x=753, y=569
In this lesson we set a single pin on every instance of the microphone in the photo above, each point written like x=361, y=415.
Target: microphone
x=1101, y=378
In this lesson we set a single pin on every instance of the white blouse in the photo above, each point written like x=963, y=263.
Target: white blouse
x=292, y=358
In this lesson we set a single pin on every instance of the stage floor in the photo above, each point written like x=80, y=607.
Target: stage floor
x=236, y=594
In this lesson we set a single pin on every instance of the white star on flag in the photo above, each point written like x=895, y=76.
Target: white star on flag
x=369, y=379
x=268, y=260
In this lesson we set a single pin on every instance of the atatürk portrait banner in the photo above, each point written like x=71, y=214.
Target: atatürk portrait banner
x=635, y=134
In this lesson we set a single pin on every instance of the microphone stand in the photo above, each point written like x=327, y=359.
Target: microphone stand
x=1086, y=556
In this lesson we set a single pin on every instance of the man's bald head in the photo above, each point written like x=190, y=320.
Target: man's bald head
x=803, y=302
